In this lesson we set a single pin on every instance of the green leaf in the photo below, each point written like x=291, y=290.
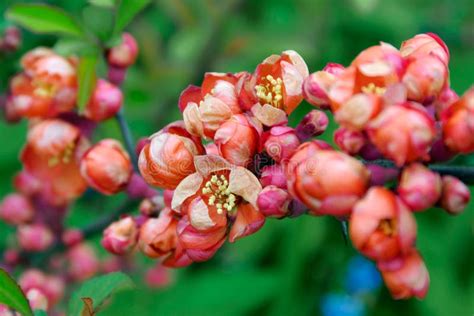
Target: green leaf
x=39, y=312
x=87, y=79
x=98, y=290
x=126, y=11
x=68, y=47
x=99, y=21
x=12, y=295
x=42, y=18
x=103, y=3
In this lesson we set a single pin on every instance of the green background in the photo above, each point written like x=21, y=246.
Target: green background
x=286, y=267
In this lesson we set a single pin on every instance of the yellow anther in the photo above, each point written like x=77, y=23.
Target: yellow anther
x=373, y=89
x=219, y=211
x=214, y=179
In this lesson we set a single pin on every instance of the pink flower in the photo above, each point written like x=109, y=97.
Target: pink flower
x=406, y=276
x=350, y=142
x=425, y=44
x=217, y=192
x=105, y=102
x=280, y=142
x=106, y=167
x=83, y=262
x=120, y=237
x=273, y=202
x=16, y=209
x=381, y=225
x=419, y=187
x=34, y=237
x=124, y=54
x=455, y=196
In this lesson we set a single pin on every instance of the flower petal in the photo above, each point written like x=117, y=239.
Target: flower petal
x=186, y=188
x=248, y=221
x=243, y=183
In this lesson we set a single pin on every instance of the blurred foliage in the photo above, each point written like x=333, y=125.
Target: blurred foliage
x=286, y=267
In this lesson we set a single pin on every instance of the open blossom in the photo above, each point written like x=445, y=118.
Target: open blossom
x=217, y=192
x=124, y=54
x=406, y=276
x=237, y=140
x=371, y=73
x=51, y=155
x=280, y=142
x=403, y=133
x=327, y=181
x=458, y=124
x=169, y=157
x=275, y=89
x=47, y=86
x=205, y=108
x=106, y=167
x=455, y=196
x=16, y=209
x=381, y=225
x=105, y=101
x=419, y=187
x=34, y=237
x=121, y=236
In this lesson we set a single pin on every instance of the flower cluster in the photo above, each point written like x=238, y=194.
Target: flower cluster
x=233, y=161
x=60, y=163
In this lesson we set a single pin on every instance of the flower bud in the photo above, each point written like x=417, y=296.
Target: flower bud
x=381, y=225
x=34, y=237
x=158, y=277
x=351, y=142
x=16, y=209
x=316, y=87
x=124, y=54
x=313, y=124
x=26, y=183
x=51, y=286
x=106, y=167
x=72, y=237
x=425, y=44
x=328, y=182
x=425, y=77
x=121, y=236
x=11, y=257
x=83, y=262
x=458, y=124
x=152, y=206
x=273, y=175
x=273, y=202
x=406, y=276
x=334, y=68
x=403, y=133
x=141, y=143
x=105, y=102
x=11, y=39
x=169, y=158
x=358, y=111
x=455, y=196
x=158, y=236
x=419, y=187
x=37, y=299
x=237, y=140
x=280, y=142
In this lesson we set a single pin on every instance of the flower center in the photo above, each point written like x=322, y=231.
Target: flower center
x=269, y=91
x=218, y=193
x=388, y=227
x=44, y=89
x=373, y=89
x=64, y=157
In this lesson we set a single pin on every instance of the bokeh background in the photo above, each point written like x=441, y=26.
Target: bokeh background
x=287, y=267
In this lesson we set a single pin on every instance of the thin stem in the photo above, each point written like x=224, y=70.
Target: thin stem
x=464, y=173
x=127, y=137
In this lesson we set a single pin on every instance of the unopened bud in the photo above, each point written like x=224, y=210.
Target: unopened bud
x=34, y=237
x=281, y=142
x=273, y=201
x=455, y=196
x=124, y=54
x=16, y=209
x=121, y=236
x=37, y=299
x=273, y=175
x=313, y=124
x=351, y=142
x=72, y=237
x=105, y=102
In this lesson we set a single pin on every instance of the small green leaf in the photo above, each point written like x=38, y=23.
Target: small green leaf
x=12, y=295
x=68, y=47
x=42, y=18
x=99, y=21
x=97, y=290
x=126, y=11
x=39, y=312
x=86, y=79
x=103, y=3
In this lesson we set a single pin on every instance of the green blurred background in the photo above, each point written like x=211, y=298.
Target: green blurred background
x=286, y=267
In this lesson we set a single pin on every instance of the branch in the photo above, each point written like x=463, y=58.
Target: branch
x=127, y=137
x=464, y=173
